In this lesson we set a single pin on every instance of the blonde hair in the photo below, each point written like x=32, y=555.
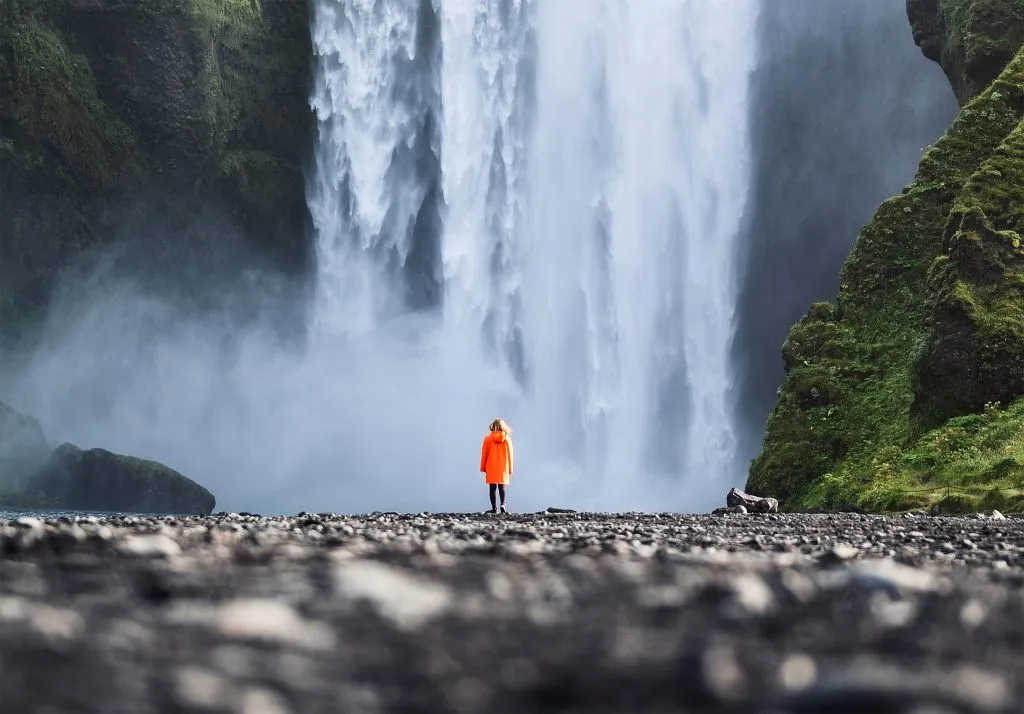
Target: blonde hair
x=500, y=425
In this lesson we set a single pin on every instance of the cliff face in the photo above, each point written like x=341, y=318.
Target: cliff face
x=971, y=39
x=852, y=114
x=119, y=116
x=906, y=392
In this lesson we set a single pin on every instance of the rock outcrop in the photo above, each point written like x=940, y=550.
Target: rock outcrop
x=98, y=480
x=906, y=391
x=68, y=478
x=972, y=40
x=167, y=126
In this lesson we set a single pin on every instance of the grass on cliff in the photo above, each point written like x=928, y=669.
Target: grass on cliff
x=971, y=463
x=977, y=351
x=847, y=398
x=225, y=26
x=52, y=94
x=980, y=34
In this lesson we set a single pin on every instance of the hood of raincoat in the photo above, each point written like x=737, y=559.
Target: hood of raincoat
x=497, y=436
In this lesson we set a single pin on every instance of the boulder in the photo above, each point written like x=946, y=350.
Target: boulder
x=753, y=504
x=98, y=480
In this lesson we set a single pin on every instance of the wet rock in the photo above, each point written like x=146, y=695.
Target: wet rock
x=753, y=504
x=98, y=480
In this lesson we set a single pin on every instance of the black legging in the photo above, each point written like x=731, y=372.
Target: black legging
x=500, y=488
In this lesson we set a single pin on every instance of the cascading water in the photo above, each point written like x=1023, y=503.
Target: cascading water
x=560, y=183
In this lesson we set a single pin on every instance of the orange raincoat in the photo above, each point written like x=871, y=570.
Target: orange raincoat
x=496, y=457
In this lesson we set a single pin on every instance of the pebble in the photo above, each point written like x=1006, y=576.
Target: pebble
x=273, y=621
x=463, y=613
x=408, y=601
x=149, y=546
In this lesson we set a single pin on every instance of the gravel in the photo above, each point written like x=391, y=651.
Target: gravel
x=548, y=612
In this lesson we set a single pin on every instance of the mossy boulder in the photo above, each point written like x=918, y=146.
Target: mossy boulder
x=98, y=480
x=927, y=329
x=971, y=39
x=68, y=478
x=164, y=110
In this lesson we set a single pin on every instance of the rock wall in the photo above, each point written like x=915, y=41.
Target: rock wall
x=905, y=392
x=836, y=127
x=178, y=128
x=972, y=40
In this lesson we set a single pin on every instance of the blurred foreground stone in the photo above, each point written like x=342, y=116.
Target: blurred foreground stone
x=552, y=612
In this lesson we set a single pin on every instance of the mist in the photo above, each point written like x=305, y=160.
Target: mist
x=387, y=420
x=843, y=105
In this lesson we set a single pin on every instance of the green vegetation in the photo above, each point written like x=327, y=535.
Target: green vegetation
x=186, y=106
x=264, y=181
x=980, y=38
x=52, y=95
x=857, y=412
x=225, y=26
x=971, y=463
x=976, y=350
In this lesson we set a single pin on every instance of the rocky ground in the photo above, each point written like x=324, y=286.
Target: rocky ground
x=551, y=612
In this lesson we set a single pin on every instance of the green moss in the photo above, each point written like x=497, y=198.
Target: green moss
x=264, y=182
x=977, y=333
x=959, y=504
x=52, y=95
x=849, y=391
x=981, y=36
x=971, y=463
x=225, y=26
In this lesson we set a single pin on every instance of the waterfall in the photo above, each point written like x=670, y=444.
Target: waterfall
x=530, y=207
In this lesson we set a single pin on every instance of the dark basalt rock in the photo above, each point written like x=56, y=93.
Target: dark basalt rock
x=752, y=504
x=98, y=480
x=972, y=40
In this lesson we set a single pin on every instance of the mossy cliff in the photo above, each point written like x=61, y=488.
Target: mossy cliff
x=972, y=40
x=907, y=391
x=155, y=108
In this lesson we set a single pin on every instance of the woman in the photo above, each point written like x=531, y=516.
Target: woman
x=496, y=460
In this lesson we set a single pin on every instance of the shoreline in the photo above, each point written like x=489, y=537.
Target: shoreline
x=467, y=613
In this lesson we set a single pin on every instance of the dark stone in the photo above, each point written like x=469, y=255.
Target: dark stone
x=753, y=504
x=98, y=480
x=972, y=40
